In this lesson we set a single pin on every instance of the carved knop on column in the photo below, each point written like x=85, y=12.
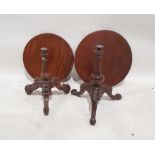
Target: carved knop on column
x=99, y=50
x=44, y=53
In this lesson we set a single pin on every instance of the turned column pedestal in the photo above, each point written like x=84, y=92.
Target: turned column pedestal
x=95, y=86
x=46, y=82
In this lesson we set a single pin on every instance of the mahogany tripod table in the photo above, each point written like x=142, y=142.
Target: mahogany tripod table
x=102, y=60
x=49, y=59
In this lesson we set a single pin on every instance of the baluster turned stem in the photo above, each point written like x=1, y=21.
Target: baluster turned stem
x=97, y=76
x=44, y=55
x=98, y=58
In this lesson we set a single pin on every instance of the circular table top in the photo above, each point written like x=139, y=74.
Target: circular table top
x=116, y=59
x=60, y=56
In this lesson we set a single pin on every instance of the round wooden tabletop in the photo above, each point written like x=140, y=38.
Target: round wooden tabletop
x=116, y=60
x=60, y=56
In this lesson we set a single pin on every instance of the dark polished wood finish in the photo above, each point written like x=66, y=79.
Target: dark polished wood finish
x=96, y=87
x=60, y=56
x=49, y=67
x=115, y=63
x=46, y=81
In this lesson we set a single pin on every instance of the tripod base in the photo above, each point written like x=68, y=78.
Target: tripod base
x=46, y=83
x=95, y=92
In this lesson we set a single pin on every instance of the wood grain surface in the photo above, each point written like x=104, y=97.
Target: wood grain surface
x=116, y=60
x=60, y=56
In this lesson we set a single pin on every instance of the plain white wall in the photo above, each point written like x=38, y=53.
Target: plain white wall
x=17, y=30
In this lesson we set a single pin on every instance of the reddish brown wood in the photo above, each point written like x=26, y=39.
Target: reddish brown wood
x=46, y=81
x=96, y=87
x=115, y=63
x=60, y=56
